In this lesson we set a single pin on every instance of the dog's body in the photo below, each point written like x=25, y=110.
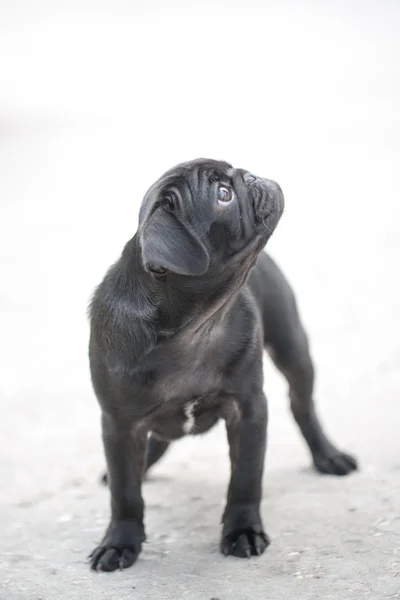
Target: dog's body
x=178, y=328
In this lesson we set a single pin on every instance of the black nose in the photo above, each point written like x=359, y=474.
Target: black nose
x=249, y=178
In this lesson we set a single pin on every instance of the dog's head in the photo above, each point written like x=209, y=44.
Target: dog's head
x=201, y=214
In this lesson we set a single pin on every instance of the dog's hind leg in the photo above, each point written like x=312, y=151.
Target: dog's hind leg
x=155, y=450
x=290, y=353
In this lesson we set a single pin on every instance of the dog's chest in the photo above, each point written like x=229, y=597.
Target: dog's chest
x=179, y=417
x=183, y=379
x=189, y=367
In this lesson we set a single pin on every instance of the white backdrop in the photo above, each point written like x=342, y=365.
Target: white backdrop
x=97, y=99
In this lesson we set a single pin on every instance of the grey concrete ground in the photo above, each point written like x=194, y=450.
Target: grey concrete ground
x=96, y=100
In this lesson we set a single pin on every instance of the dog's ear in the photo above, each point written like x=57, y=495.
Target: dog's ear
x=167, y=245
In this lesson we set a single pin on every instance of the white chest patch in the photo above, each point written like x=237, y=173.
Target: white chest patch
x=189, y=424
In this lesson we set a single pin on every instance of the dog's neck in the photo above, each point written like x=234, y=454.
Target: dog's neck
x=188, y=302
x=170, y=303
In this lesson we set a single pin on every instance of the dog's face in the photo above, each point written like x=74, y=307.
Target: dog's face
x=201, y=214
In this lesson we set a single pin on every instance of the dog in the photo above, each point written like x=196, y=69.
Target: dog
x=178, y=327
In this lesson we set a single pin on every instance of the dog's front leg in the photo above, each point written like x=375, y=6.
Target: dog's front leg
x=242, y=533
x=125, y=448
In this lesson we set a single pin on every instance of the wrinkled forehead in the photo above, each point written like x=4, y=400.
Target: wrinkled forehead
x=198, y=167
x=193, y=174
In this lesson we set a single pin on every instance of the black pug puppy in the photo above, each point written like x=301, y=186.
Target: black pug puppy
x=178, y=326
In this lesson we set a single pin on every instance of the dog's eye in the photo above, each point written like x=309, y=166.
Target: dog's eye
x=225, y=194
x=157, y=270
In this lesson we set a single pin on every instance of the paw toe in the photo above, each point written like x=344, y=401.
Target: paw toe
x=111, y=559
x=241, y=547
x=244, y=544
x=337, y=464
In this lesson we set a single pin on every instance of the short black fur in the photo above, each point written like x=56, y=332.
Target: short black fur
x=178, y=327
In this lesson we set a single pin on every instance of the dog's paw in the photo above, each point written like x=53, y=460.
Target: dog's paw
x=245, y=543
x=242, y=533
x=336, y=463
x=120, y=547
x=105, y=558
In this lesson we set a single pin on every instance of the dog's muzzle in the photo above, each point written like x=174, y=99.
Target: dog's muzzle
x=267, y=197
